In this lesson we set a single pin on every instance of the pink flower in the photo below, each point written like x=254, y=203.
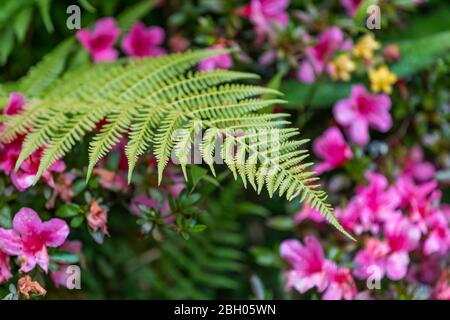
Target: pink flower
x=59, y=277
x=332, y=148
x=442, y=289
x=264, y=13
x=421, y=200
x=371, y=261
x=415, y=167
x=351, y=6
x=98, y=218
x=402, y=237
x=23, y=178
x=342, y=285
x=438, y=240
x=5, y=268
x=100, y=41
x=15, y=104
x=376, y=203
x=309, y=266
x=362, y=110
x=144, y=42
x=308, y=213
x=221, y=61
x=317, y=57
x=30, y=238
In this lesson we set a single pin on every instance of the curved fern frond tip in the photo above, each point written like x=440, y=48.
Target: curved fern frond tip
x=158, y=104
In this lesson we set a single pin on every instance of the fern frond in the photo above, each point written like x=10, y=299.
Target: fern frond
x=159, y=103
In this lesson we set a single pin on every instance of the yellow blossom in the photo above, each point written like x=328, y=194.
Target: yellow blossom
x=381, y=79
x=365, y=47
x=342, y=67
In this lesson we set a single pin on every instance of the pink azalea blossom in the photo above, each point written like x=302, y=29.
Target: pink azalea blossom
x=30, y=237
x=100, y=41
x=371, y=261
x=420, y=199
x=332, y=148
x=59, y=277
x=98, y=218
x=5, y=268
x=342, y=286
x=9, y=153
x=351, y=6
x=402, y=237
x=24, y=177
x=415, y=166
x=438, y=240
x=318, y=56
x=309, y=266
x=144, y=42
x=376, y=202
x=15, y=104
x=221, y=61
x=361, y=111
x=265, y=13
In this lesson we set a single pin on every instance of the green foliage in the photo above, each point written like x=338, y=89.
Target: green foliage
x=15, y=19
x=152, y=99
x=298, y=94
x=421, y=53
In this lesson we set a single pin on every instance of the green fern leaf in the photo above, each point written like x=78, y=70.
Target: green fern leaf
x=159, y=104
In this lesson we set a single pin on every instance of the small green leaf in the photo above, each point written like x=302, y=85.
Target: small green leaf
x=197, y=174
x=282, y=223
x=68, y=210
x=5, y=218
x=197, y=228
x=76, y=221
x=65, y=257
x=44, y=7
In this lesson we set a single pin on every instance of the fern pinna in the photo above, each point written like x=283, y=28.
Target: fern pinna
x=159, y=103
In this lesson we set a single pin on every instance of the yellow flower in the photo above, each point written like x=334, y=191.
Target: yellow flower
x=382, y=79
x=342, y=67
x=365, y=47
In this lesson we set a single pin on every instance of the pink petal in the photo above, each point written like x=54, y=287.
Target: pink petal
x=22, y=180
x=305, y=72
x=359, y=131
x=344, y=112
x=27, y=222
x=42, y=259
x=290, y=251
x=108, y=54
x=54, y=232
x=156, y=35
x=28, y=262
x=15, y=104
x=107, y=26
x=84, y=37
x=10, y=242
x=397, y=265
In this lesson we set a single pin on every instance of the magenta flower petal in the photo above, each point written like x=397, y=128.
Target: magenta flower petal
x=26, y=222
x=397, y=265
x=344, y=112
x=100, y=41
x=54, y=232
x=15, y=104
x=142, y=41
x=10, y=242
